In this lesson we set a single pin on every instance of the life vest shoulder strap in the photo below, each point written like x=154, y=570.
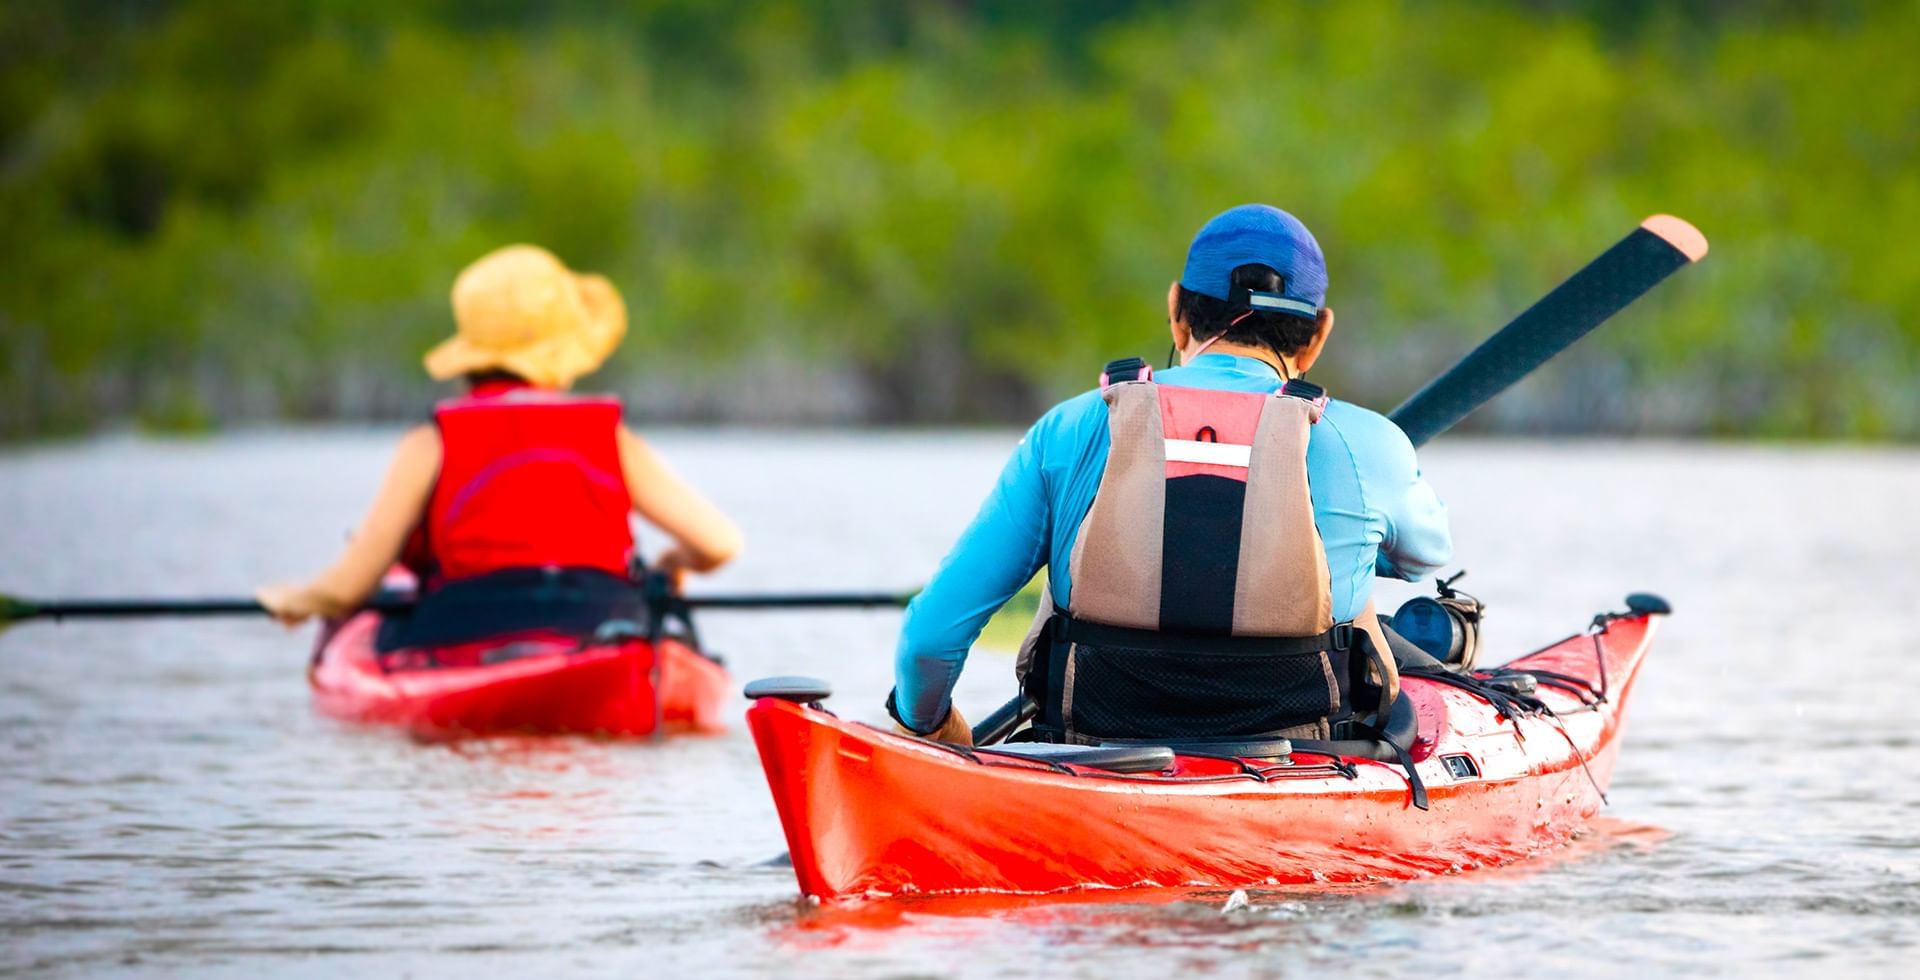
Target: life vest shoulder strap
x=1314, y=395
x=1124, y=370
x=1130, y=370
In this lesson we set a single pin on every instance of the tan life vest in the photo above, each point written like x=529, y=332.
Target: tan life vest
x=1201, y=603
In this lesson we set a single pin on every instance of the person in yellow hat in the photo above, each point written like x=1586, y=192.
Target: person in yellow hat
x=517, y=487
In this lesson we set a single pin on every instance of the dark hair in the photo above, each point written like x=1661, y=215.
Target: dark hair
x=493, y=376
x=1207, y=317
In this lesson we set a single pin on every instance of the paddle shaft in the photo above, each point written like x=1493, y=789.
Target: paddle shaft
x=13, y=609
x=122, y=608
x=802, y=600
x=56, y=610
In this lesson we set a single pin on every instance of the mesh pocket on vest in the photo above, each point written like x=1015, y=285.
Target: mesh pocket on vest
x=1118, y=692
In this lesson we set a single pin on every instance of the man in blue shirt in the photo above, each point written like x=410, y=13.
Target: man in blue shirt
x=1247, y=315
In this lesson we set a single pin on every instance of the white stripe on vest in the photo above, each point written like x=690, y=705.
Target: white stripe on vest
x=1211, y=453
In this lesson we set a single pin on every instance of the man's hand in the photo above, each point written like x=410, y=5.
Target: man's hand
x=954, y=731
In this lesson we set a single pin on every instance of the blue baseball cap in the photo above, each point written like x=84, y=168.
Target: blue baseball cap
x=1258, y=234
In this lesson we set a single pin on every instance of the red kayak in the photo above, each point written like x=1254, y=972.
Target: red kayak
x=870, y=813
x=547, y=683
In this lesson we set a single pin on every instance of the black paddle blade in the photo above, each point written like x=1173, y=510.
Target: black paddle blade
x=1637, y=263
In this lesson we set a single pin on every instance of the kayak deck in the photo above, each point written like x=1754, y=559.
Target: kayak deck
x=869, y=813
x=533, y=683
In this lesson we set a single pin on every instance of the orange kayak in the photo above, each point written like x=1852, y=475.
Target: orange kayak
x=545, y=683
x=870, y=813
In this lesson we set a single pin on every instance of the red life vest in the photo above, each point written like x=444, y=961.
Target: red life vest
x=528, y=479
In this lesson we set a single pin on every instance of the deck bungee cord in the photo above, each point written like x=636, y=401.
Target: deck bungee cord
x=1509, y=691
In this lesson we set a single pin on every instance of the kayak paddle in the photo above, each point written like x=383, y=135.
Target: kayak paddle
x=1659, y=247
x=14, y=609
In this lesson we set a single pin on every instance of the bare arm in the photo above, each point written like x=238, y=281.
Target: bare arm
x=374, y=548
x=704, y=538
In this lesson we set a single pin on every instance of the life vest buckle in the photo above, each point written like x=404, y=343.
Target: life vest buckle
x=1341, y=636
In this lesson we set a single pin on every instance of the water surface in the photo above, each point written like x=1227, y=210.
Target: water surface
x=169, y=804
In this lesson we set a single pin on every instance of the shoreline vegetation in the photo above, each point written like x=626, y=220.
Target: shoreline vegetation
x=866, y=212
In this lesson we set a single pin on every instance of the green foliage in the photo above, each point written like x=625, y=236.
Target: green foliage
x=228, y=210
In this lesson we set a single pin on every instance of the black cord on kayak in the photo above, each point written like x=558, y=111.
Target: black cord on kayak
x=1414, y=783
x=1511, y=705
x=1575, y=748
x=1601, y=624
x=1600, y=663
x=1416, y=787
x=983, y=756
x=1508, y=704
x=968, y=753
x=1572, y=685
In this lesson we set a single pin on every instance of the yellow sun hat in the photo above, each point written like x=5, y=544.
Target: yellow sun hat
x=520, y=309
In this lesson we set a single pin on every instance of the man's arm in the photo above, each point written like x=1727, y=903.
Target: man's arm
x=1000, y=551
x=1417, y=541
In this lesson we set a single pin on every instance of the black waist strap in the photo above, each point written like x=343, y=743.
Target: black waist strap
x=1080, y=631
x=572, y=601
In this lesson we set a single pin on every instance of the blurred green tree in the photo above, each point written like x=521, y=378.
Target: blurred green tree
x=863, y=210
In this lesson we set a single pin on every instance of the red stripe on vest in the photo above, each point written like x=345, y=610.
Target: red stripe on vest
x=1209, y=415
x=528, y=479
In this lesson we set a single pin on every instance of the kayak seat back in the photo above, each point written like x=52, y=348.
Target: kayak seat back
x=1403, y=725
x=1112, y=758
x=1234, y=748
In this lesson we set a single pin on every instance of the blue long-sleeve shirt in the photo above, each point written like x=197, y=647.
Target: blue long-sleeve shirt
x=1375, y=514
